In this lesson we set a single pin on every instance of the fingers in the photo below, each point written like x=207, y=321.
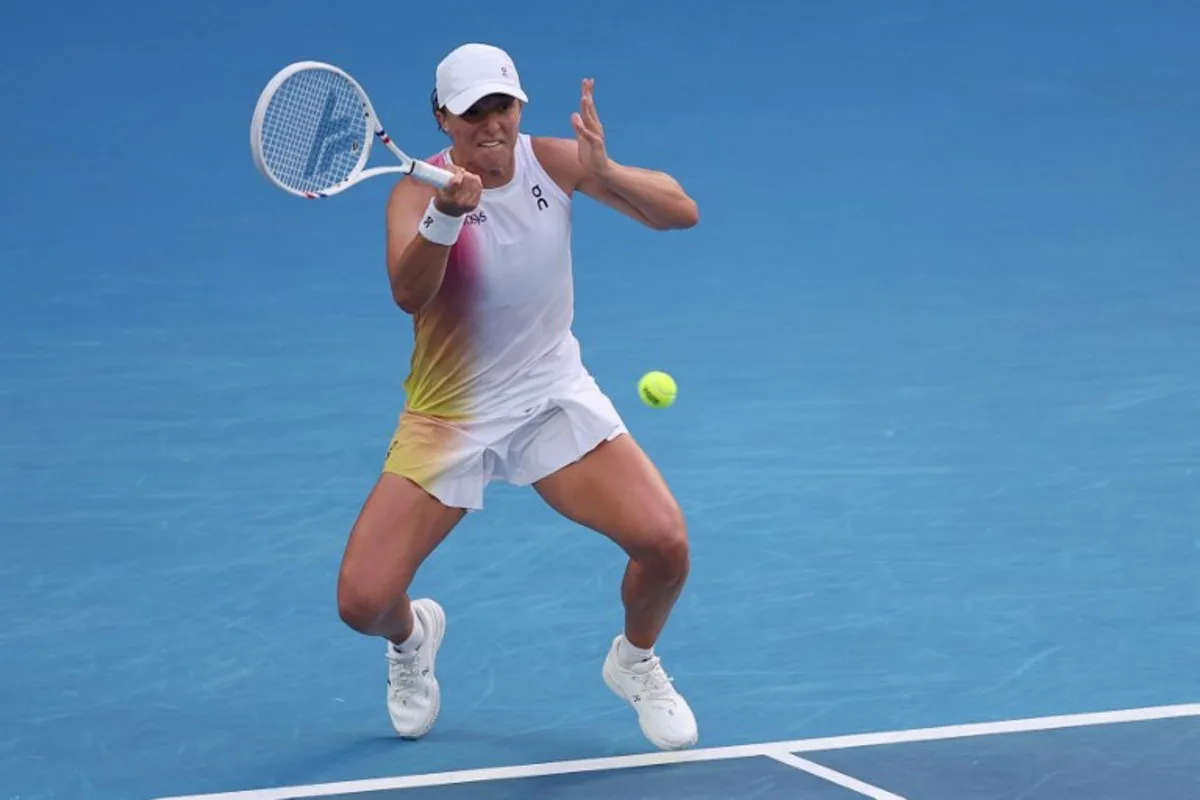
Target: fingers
x=461, y=194
x=587, y=106
x=585, y=134
x=588, y=130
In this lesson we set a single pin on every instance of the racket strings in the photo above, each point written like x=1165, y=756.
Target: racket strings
x=314, y=131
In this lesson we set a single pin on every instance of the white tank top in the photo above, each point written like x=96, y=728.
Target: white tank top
x=497, y=336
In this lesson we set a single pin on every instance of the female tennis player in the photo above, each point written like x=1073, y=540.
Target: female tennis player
x=497, y=389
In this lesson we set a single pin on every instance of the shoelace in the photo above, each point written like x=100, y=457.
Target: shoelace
x=653, y=681
x=403, y=673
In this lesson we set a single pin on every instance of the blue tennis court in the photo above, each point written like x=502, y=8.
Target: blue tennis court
x=938, y=350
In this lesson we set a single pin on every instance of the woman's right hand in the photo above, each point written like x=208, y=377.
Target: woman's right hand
x=461, y=195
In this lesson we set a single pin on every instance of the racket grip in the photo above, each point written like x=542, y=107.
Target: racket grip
x=434, y=176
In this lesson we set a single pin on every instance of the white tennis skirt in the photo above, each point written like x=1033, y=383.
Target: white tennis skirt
x=455, y=460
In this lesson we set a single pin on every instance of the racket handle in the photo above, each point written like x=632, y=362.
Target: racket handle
x=434, y=176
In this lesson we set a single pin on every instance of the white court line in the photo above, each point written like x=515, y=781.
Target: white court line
x=709, y=754
x=833, y=776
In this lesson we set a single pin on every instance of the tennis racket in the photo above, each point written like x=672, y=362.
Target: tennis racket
x=312, y=132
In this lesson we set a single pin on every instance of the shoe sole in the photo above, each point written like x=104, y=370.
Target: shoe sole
x=438, y=632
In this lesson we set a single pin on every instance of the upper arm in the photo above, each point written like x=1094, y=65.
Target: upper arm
x=405, y=205
x=560, y=158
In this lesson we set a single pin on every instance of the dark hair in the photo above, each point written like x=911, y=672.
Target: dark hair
x=433, y=101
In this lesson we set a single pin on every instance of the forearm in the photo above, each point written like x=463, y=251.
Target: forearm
x=417, y=270
x=656, y=196
x=417, y=274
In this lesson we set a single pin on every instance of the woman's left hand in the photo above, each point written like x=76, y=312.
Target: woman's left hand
x=593, y=156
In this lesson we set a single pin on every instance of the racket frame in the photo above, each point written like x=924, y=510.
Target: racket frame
x=418, y=169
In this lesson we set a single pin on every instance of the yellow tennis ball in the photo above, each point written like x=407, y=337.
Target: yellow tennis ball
x=657, y=389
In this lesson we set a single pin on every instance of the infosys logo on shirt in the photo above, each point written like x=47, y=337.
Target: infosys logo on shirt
x=475, y=218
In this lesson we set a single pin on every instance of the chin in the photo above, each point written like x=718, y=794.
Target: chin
x=494, y=160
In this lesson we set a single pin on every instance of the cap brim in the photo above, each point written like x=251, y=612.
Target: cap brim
x=469, y=97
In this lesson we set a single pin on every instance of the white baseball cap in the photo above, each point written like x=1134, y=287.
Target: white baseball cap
x=473, y=71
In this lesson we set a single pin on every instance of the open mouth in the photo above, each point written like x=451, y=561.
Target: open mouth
x=489, y=144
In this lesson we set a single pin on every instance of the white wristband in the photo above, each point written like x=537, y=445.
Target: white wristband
x=439, y=227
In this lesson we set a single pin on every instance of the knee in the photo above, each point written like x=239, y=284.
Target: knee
x=667, y=552
x=360, y=607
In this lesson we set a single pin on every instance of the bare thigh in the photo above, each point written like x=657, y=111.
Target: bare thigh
x=616, y=490
x=399, y=526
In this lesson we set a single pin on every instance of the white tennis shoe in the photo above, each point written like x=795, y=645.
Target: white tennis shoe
x=414, y=696
x=665, y=717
